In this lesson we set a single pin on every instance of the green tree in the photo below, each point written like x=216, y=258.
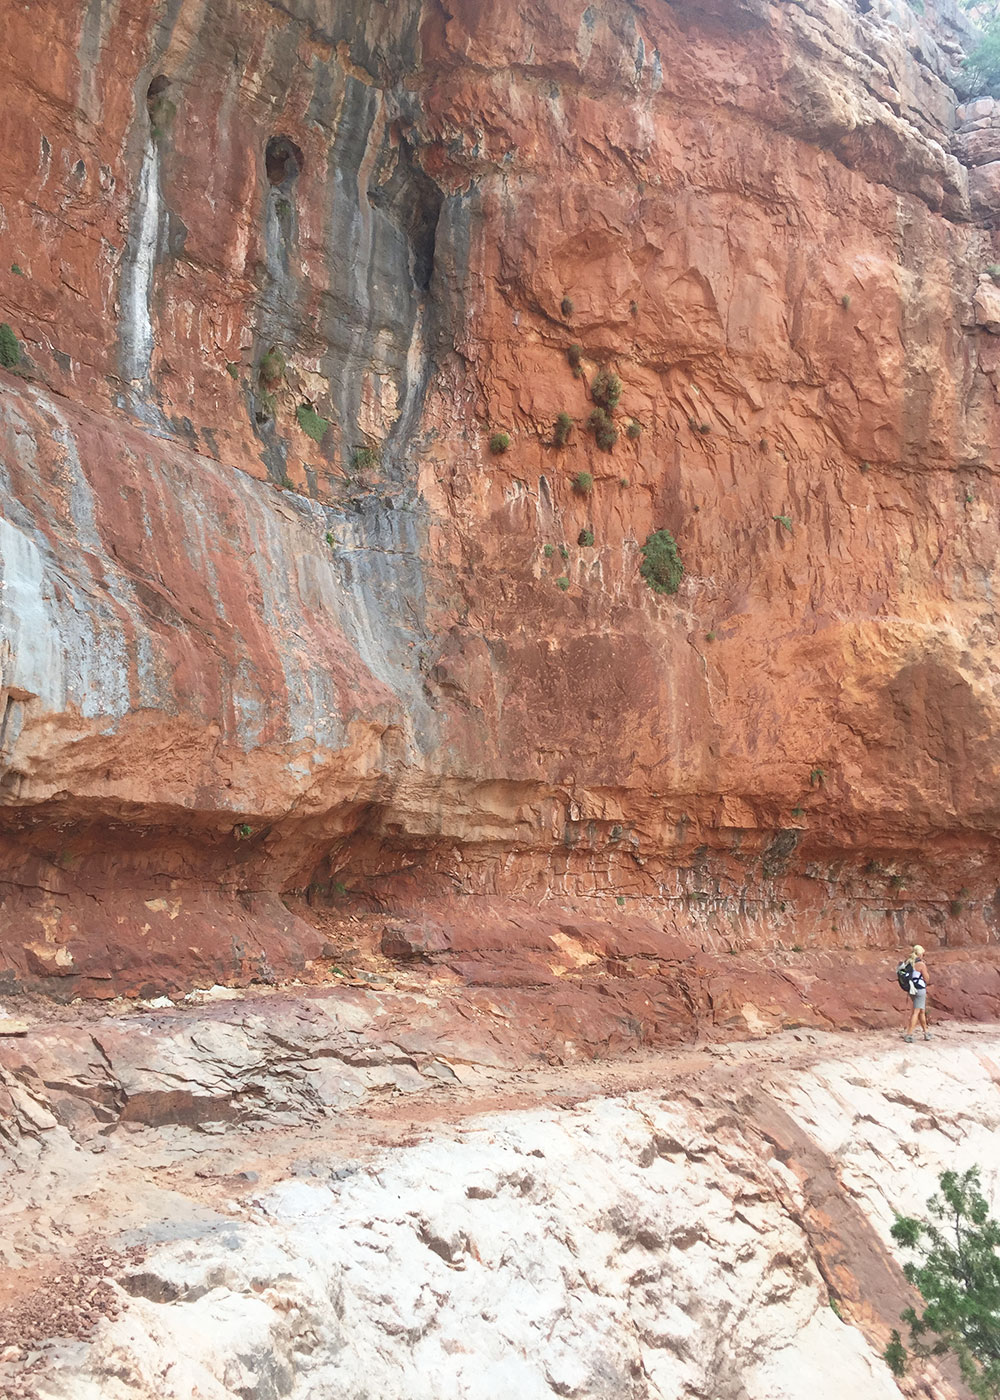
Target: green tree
x=958, y=1275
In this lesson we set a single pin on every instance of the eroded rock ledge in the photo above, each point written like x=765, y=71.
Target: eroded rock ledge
x=279, y=627
x=388, y=1207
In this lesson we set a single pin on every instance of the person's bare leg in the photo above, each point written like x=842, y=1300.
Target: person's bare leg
x=923, y=1025
x=913, y=1024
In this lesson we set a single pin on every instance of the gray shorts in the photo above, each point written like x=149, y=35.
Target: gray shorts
x=919, y=1000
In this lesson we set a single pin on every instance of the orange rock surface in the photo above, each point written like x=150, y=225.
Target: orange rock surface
x=280, y=631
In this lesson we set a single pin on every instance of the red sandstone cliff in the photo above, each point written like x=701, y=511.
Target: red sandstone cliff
x=278, y=621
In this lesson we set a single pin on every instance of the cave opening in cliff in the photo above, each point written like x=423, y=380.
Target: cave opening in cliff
x=413, y=201
x=283, y=162
x=157, y=87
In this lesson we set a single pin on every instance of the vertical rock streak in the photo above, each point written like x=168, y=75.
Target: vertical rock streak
x=138, y=272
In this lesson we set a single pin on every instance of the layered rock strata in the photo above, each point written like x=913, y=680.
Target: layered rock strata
x=712, y=1222
x=278, y=621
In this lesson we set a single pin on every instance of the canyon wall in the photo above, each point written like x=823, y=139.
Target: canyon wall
x=289, y=652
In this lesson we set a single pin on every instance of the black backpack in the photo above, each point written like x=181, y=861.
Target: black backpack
x=904, y=975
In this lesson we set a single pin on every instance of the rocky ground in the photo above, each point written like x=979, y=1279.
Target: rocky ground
x=328, y=1192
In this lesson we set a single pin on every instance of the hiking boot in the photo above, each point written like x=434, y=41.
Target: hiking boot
x=908, y=1039
x=928, y=1036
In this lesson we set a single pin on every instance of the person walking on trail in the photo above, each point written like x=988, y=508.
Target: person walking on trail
x=918, y=994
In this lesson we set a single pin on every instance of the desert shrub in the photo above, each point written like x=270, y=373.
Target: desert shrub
x=313, y=424
x=566, y=306
x=364, y=459
x=272, y=368
x=575, y=356
x=562, y=583
x=585, y=538
x=785, y=520
x=606, y=389
x=10, y=347
x=981, y=70
x=634, y=429
x=583, y=483
x=562, y=429
x=548, y=551
x=661, y=565
x=958, y=1276
x=605, y=432
x=499, y=443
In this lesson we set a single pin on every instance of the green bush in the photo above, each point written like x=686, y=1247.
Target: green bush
x=606, y=389
x=272, y=368
x=17, y=271
x=585, y=538
x=562, y=429
x=575, y=356
x=562, y=583
x=583, y=483
x=981, y=69
x=661, y=565
x=233, y=369
x=785, y=520
x=634, y=429
x=958, y=1277
x=605, y=432
x=563, y=553
x=311, y=422
x=10, y=347
x=364, y=459
x=566, y=306
x=548, y=551
x=499, y=443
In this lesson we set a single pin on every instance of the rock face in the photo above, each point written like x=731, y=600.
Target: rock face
x=708, y=1222
x=277, y=620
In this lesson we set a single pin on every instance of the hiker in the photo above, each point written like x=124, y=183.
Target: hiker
x=918, y=993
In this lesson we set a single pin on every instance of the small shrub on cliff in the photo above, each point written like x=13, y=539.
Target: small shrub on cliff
x=817, y=778
x=993, y=272
x=311, y=422
x=562, y=430
x=575, y=356
x=272, y=368
x=562, y=583
x=661, y=565
x=785, y=520
x=17, y=271
x=958, y=1276
x=548, y=551
x=605, y=432
x=566, y=306
x=583, y=483
x=10, y=347
x=586, y=539
x=606, y=389
x=634, y=429
x=499, y=443
x=364, y=459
